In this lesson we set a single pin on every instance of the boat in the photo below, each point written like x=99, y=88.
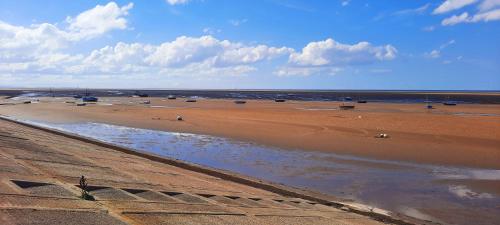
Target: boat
x=90, y=99
x=191, y=100
x=139, y=94
x=81, y=104
x=171, y=97
x=348, y=99
x=362, y=101
x=448, y=102
x=240, y=102
x=77, y=96
x=280, y=100
x=346, y=106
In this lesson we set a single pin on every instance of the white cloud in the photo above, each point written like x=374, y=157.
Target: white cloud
x=191, y=56
x=486, y=16
x=40, y=50
x=492, y=15
x=187, y=50
x=121, y=58
x=177, y=2
x=332, y=53
x=37, y=49
x=48, y=37
x=345, y=2
x=451, y=5
x=488, y=4
x=38, y=36
x=200, y=56
x=464, y=17
x=488, y=10
x=329, y=56
x=99, y=20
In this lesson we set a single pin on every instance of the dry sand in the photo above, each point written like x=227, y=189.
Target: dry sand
x=462, y=135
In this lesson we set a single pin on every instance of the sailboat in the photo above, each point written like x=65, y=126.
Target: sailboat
x=88, y=98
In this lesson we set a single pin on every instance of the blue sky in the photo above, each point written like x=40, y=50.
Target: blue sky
x=269, y=44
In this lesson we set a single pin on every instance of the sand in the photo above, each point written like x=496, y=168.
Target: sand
x=463, y=135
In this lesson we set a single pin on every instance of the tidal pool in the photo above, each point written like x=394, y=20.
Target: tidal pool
x=437, y=193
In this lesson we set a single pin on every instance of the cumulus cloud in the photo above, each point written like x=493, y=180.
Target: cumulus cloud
x=99, y=20
x=121, y=58
x=451, y=5
x=332, y=53
x=38, y=49
x=203, y=56
x=39, y=36
x=184, y=55
x=177, y=2
x=41, y=49
x=329, y=55
x=186, y=50
x=45, y=36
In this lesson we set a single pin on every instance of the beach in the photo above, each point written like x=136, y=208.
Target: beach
x=435, y=164
x=463, y=135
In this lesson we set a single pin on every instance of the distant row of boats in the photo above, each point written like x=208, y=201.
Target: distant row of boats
x=347, y=102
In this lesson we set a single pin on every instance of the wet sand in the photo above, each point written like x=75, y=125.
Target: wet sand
x=464, y=135
x=453, y=138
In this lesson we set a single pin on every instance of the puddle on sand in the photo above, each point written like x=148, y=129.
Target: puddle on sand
x=407, y=188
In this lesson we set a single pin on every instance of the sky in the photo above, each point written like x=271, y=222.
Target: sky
x=266, y=44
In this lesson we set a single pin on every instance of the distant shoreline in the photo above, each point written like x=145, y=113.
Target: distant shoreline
x=397, y=96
